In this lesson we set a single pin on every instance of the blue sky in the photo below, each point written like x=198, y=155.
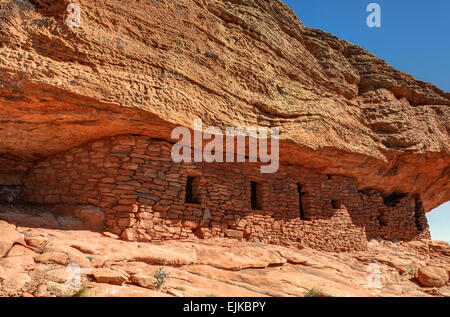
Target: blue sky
x=439, y=222
x=414, y=37
x=414, y=34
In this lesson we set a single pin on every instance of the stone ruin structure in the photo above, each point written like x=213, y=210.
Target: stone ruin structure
x=147, y=197
x=87, y=114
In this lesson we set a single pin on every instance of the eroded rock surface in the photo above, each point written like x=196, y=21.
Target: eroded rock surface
x=55, y=262
x=144, y=67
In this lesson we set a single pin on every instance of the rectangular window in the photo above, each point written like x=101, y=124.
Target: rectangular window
x=256, y=196
x=192, y=190
x=337, y=204
x=382, y=220
x=419, y=214
x=300, y=201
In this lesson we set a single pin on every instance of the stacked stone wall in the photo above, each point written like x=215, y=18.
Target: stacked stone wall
x=143, y=194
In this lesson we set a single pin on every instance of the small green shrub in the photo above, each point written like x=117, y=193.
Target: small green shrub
x=161, y=275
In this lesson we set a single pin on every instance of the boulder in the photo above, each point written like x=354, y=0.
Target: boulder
x=8, y=237
x=108, y=276
x=432, y=276
x=52, y=258
x=37, y=241
x=144, y=280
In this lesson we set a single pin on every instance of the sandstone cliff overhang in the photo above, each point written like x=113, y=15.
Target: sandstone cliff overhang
x=144, y=67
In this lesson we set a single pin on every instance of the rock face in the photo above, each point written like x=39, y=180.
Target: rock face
x=55, y=262
x=144, y=67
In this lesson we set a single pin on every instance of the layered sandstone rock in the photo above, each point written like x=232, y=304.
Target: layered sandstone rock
x=55, y=262
x=143, y=67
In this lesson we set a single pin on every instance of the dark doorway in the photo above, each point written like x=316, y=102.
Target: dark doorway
x=300, y=201
x=335, y=204
x=192, y=191
x=419, y=213
x=256, y=196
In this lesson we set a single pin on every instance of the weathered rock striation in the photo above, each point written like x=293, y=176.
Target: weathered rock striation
x=36, y=264
x=141, y=68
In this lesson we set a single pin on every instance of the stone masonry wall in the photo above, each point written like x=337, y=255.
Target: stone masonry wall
x=142, y=192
